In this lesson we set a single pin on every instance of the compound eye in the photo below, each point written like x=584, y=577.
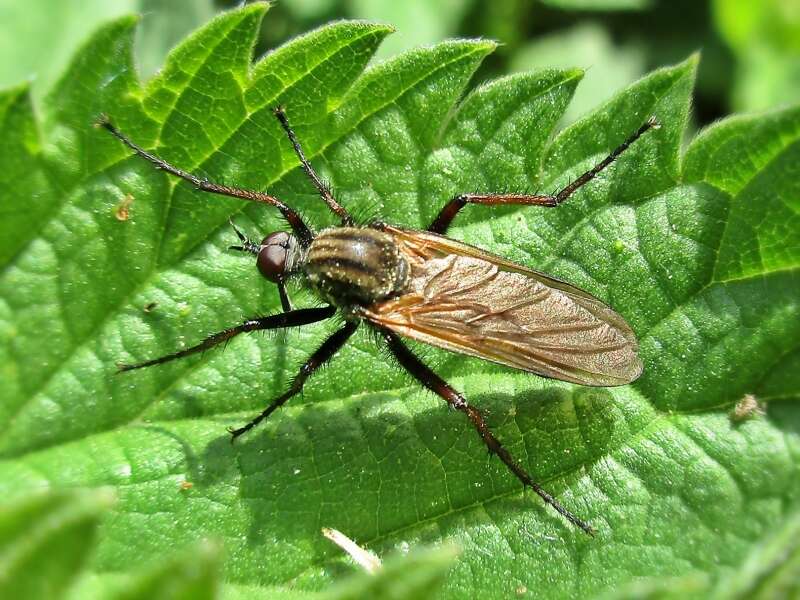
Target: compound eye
x=271, y=259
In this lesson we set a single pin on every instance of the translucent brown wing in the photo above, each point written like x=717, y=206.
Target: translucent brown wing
x=468, y=301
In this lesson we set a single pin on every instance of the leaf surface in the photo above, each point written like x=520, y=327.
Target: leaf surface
x=39, y=37
x=108, y=260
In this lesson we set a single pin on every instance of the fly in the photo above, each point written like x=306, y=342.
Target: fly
x=425, y=286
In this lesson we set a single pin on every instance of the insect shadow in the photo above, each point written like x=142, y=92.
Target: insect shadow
x=425, y=286
x=348, y=466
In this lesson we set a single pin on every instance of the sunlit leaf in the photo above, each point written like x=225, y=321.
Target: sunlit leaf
x=104, y=259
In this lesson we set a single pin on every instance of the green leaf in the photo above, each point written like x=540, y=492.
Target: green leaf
x=693, y=585
x=610, y=67
x=187, y=575
x=45, y=539
x=765, y=212
x=42, y=35
x=47, y=536
x=599, y=5
x=417, y=575
x=764, y=38
x=418, y=21
x=21, y=170
x=773, y=568
x=120, y=262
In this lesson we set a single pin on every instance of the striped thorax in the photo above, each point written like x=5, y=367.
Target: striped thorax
x=349, y=265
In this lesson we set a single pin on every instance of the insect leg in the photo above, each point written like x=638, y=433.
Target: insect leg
x=323, y=354
x=300, y=229
x=286, y=304
x=302, y=316
x=440, y=387
x=323, y=189
x=450, y=210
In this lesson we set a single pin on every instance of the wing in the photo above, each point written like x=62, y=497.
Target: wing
x=468, y=301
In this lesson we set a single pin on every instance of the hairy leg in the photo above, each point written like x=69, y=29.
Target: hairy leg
x=451, y=209
x=302, y=316
x=300, y=229
x=438, y=386
x=323, y=354
x=324, y=190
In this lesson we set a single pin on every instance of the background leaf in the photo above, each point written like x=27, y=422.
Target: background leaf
x=417, y=575
x=42, y=35
x=698, y=252
x=598, y=4
x=765, y=38
x=417, y=21
x=44, y=541
x=609, y=67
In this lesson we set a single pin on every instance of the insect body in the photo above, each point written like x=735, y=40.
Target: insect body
x=425, y=286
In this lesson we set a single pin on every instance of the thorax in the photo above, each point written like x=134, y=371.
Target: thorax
x=353, y=265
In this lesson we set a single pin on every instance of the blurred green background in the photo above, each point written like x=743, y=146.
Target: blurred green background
x=750, y=48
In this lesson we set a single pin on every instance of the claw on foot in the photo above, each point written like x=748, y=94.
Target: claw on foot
x=236, y=432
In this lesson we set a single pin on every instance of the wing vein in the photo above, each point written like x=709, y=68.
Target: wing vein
x=468, y=301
